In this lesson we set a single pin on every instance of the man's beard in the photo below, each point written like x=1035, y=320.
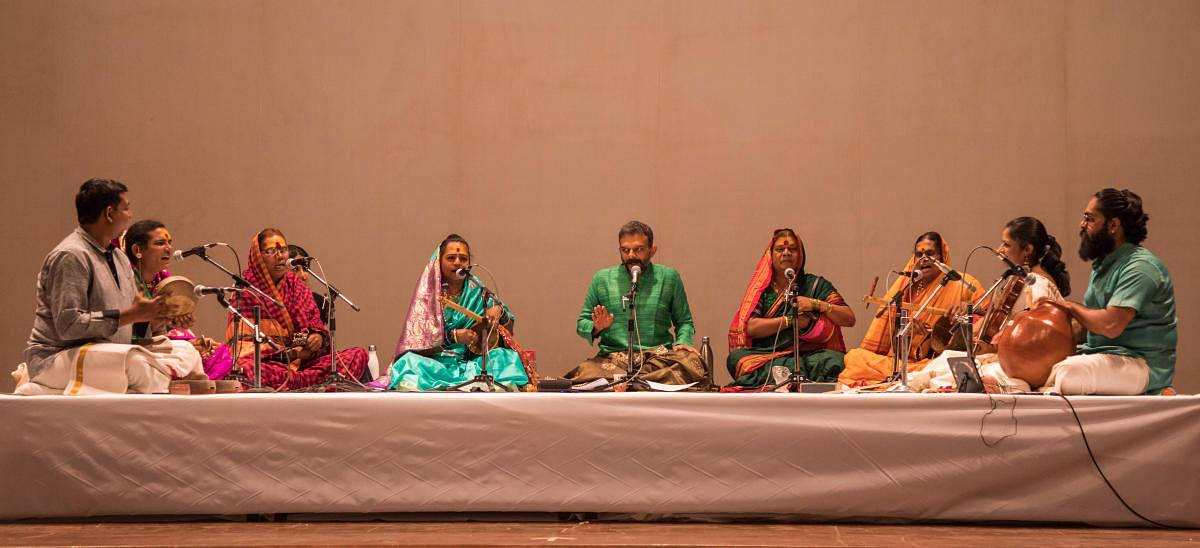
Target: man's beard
x=634, y=262
x=1095, y=247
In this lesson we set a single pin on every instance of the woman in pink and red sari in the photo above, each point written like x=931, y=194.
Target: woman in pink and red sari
x=300, y=356
x=761, y=336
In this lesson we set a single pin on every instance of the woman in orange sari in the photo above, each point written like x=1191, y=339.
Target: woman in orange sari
x=871, y=362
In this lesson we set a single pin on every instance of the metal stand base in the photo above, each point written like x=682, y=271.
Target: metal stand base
x=481, y=383
x=792, y=382
x=899, y=387
x=338, y=382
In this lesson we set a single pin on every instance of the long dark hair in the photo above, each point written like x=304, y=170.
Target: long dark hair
x=1127, y=207
x=139, y=234
x=1046, y=251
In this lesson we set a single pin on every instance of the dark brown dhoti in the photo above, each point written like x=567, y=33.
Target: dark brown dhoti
x=660, y=364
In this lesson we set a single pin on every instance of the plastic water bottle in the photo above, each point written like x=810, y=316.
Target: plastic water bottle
x=373, y=362
x=706, y=355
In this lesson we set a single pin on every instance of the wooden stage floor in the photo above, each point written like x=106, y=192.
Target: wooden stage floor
x=574, y=534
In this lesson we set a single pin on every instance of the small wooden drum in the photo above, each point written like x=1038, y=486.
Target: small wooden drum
x=180, y=295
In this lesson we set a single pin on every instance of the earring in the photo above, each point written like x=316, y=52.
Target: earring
x=138, y=255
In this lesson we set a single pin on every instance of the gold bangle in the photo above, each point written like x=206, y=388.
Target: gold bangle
x=454, y=335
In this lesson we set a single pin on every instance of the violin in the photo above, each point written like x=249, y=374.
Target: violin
x=1000, y=308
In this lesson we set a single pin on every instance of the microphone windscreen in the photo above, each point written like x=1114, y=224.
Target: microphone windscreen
x=177, y=255
x=553, y=385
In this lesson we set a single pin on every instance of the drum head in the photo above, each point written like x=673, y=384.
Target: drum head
x=180, y=295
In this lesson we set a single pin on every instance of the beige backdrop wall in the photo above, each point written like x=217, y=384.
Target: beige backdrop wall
x=367, y=131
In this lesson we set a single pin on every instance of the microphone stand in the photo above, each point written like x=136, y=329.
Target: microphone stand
x=484, y=381
x=337, y=381
x=794, y=379
x=238, y=280
x=629, y=303
x=903, y=338
x=258, y=340
x=903, y=335
x=967, y=325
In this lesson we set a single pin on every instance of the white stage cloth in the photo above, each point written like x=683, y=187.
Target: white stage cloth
x=813, y=456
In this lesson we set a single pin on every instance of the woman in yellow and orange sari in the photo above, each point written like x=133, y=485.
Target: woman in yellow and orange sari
x=761, y=336
x=871, y=362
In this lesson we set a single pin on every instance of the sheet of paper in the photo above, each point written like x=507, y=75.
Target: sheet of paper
x=668, y=387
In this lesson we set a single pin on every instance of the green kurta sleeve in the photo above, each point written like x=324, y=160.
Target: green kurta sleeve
x=681, y=313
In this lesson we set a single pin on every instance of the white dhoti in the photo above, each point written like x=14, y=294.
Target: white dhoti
x=1102, y=374
x=936, y=376
x=108, y=368
x=1079, y=374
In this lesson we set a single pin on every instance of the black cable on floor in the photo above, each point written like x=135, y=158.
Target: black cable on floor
x=1104, y=477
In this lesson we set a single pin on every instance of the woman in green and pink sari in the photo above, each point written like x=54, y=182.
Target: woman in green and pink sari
x=433, y=350
x=761, y=335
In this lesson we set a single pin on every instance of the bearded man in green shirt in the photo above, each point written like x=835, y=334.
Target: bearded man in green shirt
x=660, y=306
x=1128, y=310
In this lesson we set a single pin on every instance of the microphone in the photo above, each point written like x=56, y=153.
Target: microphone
x=1013, y=268
x=908, y=273
x=462, y=273
x=634, y=271
x=790, y=273
x=299, y=261
x=198, y=250
x=951, y=274
x=201, y=290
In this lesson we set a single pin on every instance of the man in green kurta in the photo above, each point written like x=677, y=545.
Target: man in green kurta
x=660, y=306
x=1128, y=310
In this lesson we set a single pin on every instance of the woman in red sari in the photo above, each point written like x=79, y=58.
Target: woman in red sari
x=299, y=356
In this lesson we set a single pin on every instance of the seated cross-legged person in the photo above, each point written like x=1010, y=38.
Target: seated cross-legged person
x=871, y=362
x=761, y=344
x=1024, y=241
x=298, y=356
x=661, y=305
x=148, y=245
x=87, y=303
x=435, y=346
x=1128, y=311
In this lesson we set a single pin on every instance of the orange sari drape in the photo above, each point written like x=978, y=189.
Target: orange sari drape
x=871, y=362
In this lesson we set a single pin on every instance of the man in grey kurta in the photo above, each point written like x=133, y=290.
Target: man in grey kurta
x=86, y=296
x=80, y=294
